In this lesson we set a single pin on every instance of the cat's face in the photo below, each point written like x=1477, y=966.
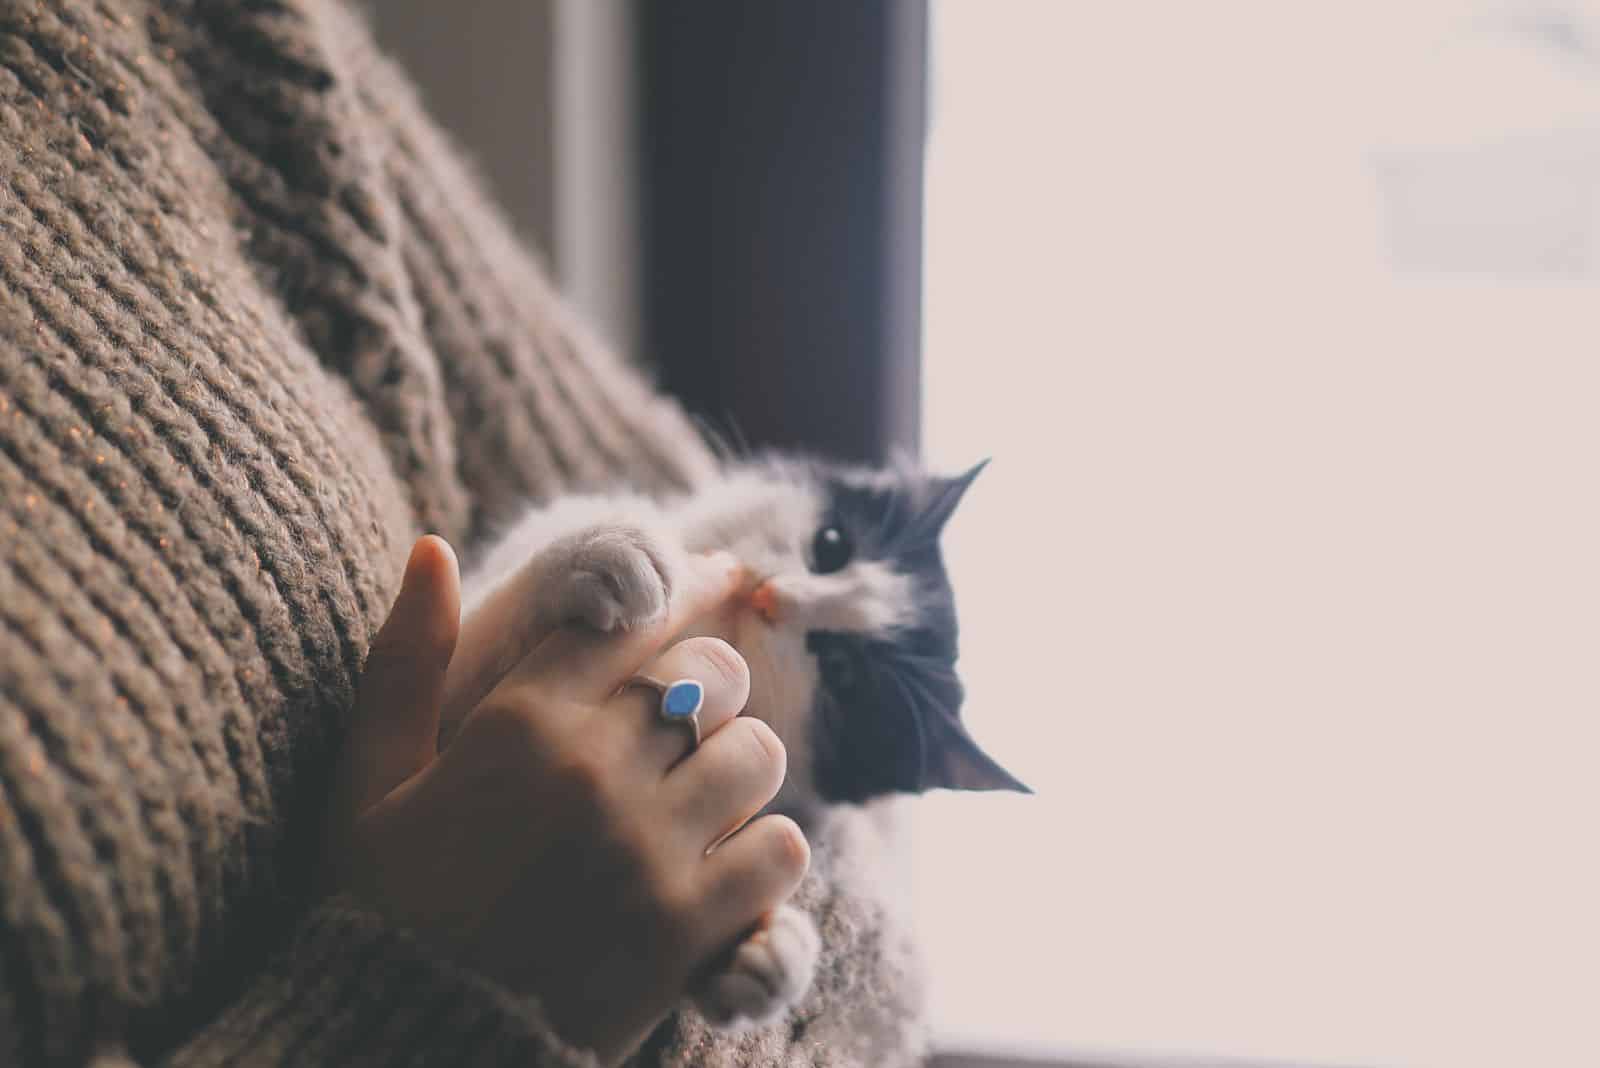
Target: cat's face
x=850, y=626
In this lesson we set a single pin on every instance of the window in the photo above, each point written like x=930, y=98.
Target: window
x=1282, y=323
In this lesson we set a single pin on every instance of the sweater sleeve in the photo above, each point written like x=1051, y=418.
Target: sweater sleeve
x=351, y=990
x=538, y=404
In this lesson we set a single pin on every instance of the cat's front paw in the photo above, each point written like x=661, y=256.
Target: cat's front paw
x=769, y=972
x=616, y=577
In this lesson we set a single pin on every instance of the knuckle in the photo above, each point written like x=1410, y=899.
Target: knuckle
x=582, y=776
x=723, y=661
x=765, y=747
x=633, y=856
x=677, y=905
x=669, y=904
x=509, y=729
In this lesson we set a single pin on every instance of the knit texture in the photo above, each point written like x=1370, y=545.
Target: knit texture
x=259, y=329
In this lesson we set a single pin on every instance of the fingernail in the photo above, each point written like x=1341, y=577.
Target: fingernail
x=408, y=576
x=408, y=580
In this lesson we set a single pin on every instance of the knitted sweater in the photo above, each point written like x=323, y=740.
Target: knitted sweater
x=259, y=329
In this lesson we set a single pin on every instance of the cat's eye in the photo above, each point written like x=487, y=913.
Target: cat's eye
x=831, y=549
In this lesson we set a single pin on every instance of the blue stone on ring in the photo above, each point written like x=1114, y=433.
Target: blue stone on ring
x=682, y=699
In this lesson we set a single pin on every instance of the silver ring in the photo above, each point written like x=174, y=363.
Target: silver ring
x=680, y=702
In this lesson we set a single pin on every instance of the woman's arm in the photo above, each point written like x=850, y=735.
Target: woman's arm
x=350, y=988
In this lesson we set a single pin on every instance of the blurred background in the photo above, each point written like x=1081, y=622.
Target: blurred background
x=1279, y=319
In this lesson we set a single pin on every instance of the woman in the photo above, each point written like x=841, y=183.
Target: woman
x=258, y=331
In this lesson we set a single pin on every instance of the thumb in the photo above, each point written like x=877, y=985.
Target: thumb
x=394, y=732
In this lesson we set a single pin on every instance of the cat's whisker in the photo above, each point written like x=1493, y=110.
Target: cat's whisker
x=908, y=690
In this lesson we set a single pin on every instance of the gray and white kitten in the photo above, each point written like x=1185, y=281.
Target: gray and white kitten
x=849, y=629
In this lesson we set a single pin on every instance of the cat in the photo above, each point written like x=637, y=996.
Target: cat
x=849, y=630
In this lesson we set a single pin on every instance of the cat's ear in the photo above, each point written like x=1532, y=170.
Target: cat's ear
x=947, y=493
x=954, y=762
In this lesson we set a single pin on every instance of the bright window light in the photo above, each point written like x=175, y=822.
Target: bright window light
x=1282, y=323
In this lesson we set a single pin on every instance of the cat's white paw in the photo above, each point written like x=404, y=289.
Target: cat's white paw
x=768, y=973
x=616, y=577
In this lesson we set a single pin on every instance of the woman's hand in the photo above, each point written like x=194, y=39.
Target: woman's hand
x=560, y=843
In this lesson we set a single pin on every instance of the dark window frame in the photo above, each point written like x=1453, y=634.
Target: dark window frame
x=781, y=162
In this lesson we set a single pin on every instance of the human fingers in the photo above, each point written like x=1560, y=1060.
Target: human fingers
x=723, y=677
x=752, y=872
x=725, y=782
x=396, y=718
x=496, y=637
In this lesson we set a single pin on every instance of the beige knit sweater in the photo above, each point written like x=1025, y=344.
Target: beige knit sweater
x=258, y=330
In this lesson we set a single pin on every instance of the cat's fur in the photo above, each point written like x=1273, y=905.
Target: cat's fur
x=854, y=668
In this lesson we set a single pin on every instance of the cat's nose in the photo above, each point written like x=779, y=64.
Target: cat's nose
x=764, y=599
